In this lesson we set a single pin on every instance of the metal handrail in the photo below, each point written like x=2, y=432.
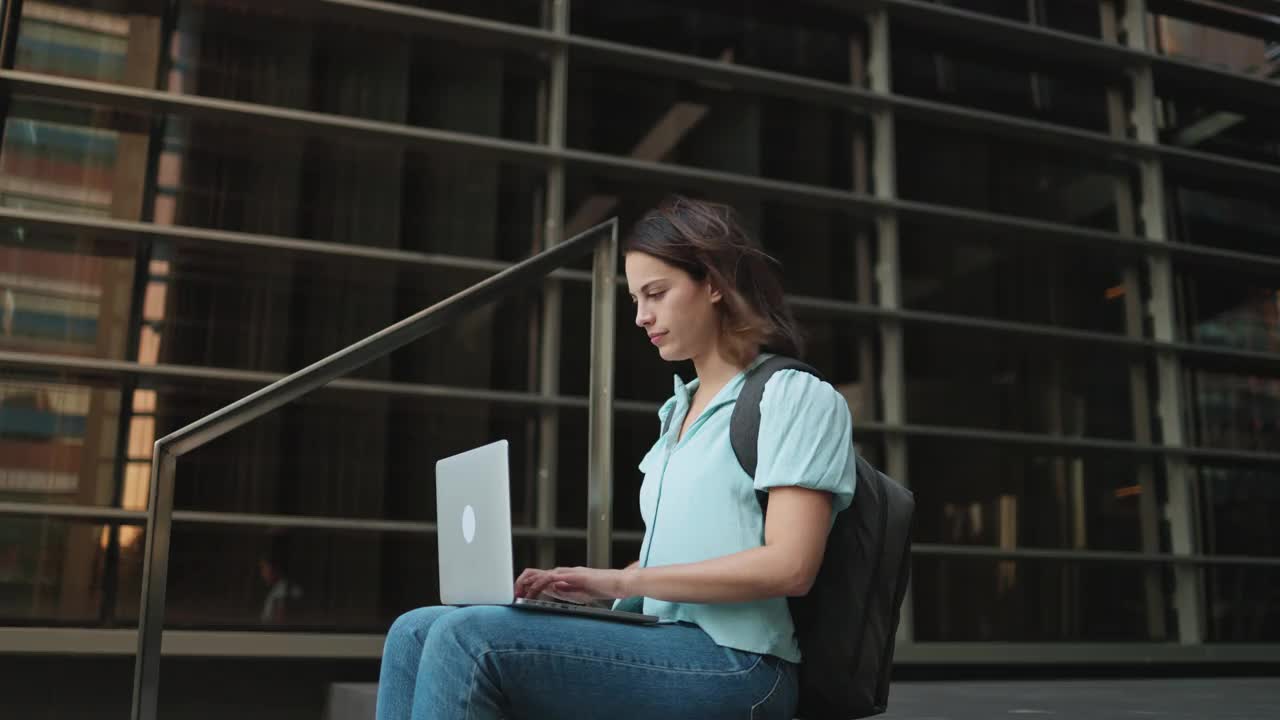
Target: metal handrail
x=602, y=238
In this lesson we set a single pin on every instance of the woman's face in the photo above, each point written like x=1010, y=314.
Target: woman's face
x=677, y=312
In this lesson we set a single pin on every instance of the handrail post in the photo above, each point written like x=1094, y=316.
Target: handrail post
x=155, y=580
x=604, y=301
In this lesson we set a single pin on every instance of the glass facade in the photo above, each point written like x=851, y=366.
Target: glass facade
x=1032, y=243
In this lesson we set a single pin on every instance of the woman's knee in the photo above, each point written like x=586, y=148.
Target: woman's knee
x=475, y=629
x=412, y=627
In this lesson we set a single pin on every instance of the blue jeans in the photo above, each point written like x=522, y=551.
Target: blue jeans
x=484, y=662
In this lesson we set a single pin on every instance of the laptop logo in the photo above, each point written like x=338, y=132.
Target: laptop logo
x=468, y=524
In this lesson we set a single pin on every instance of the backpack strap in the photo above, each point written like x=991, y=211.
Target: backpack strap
x=744, y=425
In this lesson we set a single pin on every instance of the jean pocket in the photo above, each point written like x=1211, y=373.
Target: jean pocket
x=780, y=703
x=741, y=661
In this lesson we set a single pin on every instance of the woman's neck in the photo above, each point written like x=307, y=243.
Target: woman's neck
x=715, y=370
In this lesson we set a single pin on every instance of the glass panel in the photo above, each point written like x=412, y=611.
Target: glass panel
x=688, y=123
x=1239, y=506
x=1230, y=310
x=76, y=39
x=990, y=77
x=970, y=378
x=1233, y=411
x=1243, y=604
x=54, y=301
x=1206, y=212
x=797, y=38
x=962, y=599
x=245, y=309
x=343, y=454
x=1219, y=125
x=282, y=313
x=1016, y=497
x=1215, y=34
x=55, y=572
x=625, y=553
x=310, y=579
x=221, y=48
x=222, y=51
x=57, y=441
x=527, y=12
x=964, y=272
x=985, y=172
x=1068, y=17
x=63, y=157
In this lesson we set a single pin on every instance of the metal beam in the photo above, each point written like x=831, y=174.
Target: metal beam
x=268, y=520
x=372, y=525
x=1180, y=481
x=807, y=306
x=924, y=213
x=1092, y=556
x=888, y=273
x=856, y=204
x=604, y=299
x=234, y=643
x=1089, y=654
x=555, y=108
x=91, y=367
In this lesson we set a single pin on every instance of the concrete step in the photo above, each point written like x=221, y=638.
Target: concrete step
x=1164, y=699
x=351, y=701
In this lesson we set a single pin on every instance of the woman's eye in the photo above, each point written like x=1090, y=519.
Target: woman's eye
x=656, y=295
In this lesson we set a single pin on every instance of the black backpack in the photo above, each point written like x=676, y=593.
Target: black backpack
x=847, y=623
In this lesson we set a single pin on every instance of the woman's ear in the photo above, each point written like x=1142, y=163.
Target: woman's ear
x=713, y=292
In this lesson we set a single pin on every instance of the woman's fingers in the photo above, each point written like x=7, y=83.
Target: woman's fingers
x=540, y=582
x=526, y=582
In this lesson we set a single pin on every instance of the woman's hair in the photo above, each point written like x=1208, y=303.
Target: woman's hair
x=705, y=240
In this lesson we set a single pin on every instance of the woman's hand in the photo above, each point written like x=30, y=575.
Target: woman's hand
x=576, y=584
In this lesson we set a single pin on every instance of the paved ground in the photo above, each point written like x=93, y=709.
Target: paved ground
x=1191, y=699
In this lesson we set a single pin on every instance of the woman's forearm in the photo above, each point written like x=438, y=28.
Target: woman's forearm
x=755, y=574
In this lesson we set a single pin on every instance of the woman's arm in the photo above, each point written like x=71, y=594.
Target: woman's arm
x=795, y=535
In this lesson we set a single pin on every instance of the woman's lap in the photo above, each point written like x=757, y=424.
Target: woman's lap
x=488, y=661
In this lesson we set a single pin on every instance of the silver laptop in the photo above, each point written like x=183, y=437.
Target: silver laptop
x=473, y=531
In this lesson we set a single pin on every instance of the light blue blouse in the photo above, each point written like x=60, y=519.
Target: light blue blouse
x=698, y=504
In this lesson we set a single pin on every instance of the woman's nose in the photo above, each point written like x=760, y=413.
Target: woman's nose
x=643, y=317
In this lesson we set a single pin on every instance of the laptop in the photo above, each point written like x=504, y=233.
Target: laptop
x=473, y=532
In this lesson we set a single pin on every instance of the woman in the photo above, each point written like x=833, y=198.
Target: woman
x=711, y=564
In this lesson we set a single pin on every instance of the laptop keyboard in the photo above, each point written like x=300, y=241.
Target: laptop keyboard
x=554, y=604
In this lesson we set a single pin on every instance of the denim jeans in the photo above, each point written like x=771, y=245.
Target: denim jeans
x=483, y=662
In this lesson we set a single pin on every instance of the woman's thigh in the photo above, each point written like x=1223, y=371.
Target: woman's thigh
x=546, y=665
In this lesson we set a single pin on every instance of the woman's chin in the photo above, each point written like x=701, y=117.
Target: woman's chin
x=671, y=354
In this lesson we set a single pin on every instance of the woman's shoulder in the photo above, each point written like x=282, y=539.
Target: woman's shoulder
x=798, y=390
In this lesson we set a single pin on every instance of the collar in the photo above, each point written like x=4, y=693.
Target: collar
x=683, y=392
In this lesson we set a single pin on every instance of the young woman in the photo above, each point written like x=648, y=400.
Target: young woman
x=712, y=565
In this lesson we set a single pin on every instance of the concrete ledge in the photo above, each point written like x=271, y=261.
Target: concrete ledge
x=351, y=701
x=1173, y=699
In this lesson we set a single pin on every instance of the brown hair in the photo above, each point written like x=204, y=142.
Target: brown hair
x=705, y=240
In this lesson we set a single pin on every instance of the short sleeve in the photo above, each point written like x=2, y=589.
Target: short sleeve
x=806, y=437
